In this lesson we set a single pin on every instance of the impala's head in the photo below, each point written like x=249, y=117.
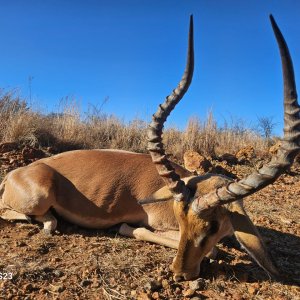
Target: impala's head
x=208, y=210
x=199, y=233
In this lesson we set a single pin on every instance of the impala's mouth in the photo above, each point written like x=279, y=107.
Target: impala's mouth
x=185, y=276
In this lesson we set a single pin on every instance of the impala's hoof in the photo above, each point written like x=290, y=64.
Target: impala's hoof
x=47, y=231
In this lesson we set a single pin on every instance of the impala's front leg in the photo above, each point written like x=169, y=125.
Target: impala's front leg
x=144, y=234
x=163, y=238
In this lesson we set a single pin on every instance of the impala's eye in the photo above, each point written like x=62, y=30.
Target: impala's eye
x=213, y=229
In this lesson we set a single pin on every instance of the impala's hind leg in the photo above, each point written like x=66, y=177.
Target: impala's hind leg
x=14, y=215
x=30, y=191
x=49, y=222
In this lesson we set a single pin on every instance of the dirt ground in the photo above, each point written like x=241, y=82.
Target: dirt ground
x=76, y=263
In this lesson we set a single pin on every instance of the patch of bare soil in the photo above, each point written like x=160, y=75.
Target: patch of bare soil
x=76, y=263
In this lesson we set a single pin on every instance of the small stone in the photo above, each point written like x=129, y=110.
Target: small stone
x=58, y=273
x=85, y=282
x=133, y=293
x=198, y=284
x=28, y=287
x=177, y=291
x=155, y=295
x=143, y=296
x=188, y=293
x=256, y=285
x=252, y=290
x=165, y=283
x=153, y=285
x=20, y=244
x=55, y=259
x=58, y=288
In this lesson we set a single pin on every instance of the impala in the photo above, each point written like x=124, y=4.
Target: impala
x=150, y=197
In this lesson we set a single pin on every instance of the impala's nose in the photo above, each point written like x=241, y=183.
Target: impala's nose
x=185, y=276
x=180, y=275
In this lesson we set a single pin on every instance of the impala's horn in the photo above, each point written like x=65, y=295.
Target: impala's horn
x=285, y=155
x=155, y=145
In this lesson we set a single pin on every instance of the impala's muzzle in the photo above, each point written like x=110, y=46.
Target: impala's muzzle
x=185, y=275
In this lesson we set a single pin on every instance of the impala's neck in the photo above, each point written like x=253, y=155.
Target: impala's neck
x=160, y=211
x=160, y=216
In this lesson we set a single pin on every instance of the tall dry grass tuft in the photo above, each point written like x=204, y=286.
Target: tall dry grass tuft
x=67, y=130
x=210, y=140
x=17, y=122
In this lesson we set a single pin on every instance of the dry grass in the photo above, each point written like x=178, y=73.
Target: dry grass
x=67, y=130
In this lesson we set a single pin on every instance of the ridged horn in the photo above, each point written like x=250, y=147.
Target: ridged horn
x=155, y=145
x=285, y=155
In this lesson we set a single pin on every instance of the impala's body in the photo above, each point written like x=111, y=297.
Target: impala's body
x=163, y=201
x=105, y=198
x=106, y=192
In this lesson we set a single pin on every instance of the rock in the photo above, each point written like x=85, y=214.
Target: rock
x=58, y=273
x=198, y=284
x=252, y=290
x=57, y=288
x=153, y=285
x=28, y=287
x=245, y=154
x=178, y=291
x=20, y=244
x=188, y=293
x=273, y=149
x=143, y=296
x=85, y=282
x=165, y=283
x=55, y=259
x=43, y=291
x=155, y=295
x=195, y=162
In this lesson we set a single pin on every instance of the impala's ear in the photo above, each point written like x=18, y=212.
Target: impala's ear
x=250, y=239
x=162, y=195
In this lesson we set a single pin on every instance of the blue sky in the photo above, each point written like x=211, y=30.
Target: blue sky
x=134, y=52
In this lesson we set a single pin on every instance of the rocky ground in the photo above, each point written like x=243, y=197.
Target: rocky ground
x=76, y=263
